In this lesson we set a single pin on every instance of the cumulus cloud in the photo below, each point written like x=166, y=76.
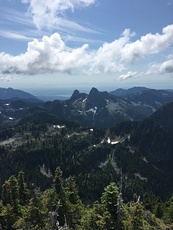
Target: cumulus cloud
x=161, y=68
x=167, y=67
x=128, y=75
x=107, y=57
x=48, y=55
x=50, y=14
x=52, y=55
x=148, y=44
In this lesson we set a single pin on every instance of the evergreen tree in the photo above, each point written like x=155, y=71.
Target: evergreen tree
x=23, y=191
x=109, y=202
x=58, y=182
x=147, y=202
x=74, y=203
x=168, y=211
x=5, y=193
x=10, y=193
x=158, y=208
x=137, y=221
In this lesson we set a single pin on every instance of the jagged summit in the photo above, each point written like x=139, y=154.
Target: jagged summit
x=75, y=93
x=93, y=91
x=98, y=108
x=102, y=109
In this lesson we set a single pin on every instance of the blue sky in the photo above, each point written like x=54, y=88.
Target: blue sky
x=84, y=43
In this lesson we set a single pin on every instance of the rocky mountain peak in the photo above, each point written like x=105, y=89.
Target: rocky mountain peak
x=75, y=93
x=93, y=92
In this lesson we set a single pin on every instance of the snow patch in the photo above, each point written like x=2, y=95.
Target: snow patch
x=114, y=142
x=93, y=110
x=59, y=126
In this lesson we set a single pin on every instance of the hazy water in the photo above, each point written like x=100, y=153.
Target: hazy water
x=54, y=94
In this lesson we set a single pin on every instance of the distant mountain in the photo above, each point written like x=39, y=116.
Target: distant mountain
x=101, y=109
x=9, y=93
x=14, y=105
x=96, y=109
x=123, y=92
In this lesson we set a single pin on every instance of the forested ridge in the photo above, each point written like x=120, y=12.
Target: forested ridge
x=117, y=178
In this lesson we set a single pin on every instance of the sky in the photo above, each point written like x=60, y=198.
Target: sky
x=81, y=44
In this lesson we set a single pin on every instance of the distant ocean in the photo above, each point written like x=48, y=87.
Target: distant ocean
x=47, y=94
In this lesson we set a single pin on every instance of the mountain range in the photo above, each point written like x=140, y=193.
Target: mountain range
x=104, y=142
x=96, y=109
x=140, y=152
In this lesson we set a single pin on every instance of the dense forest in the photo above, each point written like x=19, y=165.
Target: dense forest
x=24, y=206
x=62, y=175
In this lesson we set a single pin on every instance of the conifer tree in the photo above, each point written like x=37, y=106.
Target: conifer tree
x=109, y=202
x=137, y=221
x=23, y=191
x=58, y=181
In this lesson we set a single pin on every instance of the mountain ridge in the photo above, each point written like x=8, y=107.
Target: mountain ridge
x=102, y=109
x=141, y=150
x=95, y=109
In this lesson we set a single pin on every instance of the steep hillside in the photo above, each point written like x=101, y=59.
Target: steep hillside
x=140, y=153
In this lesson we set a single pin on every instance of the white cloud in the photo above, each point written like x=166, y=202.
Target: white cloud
x=161, y=68
x=148, y=44
x=167, y=67
x=128, y=75
x=50, y=14
x=8, y=78
x=48, y=55
x=107, y=57
x=52, y=55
